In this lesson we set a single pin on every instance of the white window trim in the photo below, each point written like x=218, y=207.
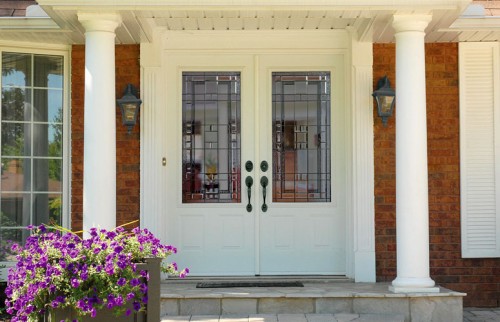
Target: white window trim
x=66, y=189
x=479, y=70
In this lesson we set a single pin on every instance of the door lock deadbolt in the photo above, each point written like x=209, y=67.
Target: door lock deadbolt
x=264, y=166
x=249, y=166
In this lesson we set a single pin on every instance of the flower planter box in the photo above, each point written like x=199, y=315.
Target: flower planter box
x=152, y=314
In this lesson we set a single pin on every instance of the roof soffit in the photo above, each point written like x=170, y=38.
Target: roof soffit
x=370, y=18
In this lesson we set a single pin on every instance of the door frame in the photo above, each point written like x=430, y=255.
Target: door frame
x=358, y=60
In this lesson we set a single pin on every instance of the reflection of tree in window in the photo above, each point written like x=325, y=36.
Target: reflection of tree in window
x=31, y=122
x=13, y=110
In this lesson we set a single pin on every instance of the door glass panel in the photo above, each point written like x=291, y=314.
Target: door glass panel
x=301, y=137
x=211, y=137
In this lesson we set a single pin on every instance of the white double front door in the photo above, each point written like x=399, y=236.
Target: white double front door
x=227, y=115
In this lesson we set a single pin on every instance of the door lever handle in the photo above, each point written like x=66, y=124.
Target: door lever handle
x=264, y=182
x=249, y=183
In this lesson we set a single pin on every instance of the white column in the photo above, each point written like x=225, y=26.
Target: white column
x=99, y=158
x=412, y=206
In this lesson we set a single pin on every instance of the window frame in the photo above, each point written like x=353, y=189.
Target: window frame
x=64, y=52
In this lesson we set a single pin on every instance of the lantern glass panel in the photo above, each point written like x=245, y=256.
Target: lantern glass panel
x=129, y=110
x=385, y=104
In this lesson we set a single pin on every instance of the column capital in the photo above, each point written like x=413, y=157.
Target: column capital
x=93, y=21
x=402, y=23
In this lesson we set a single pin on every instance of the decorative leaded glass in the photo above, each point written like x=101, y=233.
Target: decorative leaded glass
x=211, y=140
x=301, y=137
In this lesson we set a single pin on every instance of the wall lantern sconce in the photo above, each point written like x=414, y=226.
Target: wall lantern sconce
x=129, y=105
x=384, y=96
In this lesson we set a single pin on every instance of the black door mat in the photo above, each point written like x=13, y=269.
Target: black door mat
x=248, y=284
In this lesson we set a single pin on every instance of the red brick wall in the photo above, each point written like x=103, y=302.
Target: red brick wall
x=479, y=278
x=127, y=145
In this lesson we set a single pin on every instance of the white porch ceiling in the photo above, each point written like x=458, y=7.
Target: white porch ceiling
x=371, y=22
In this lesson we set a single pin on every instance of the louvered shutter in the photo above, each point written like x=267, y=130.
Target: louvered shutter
x=480, y=149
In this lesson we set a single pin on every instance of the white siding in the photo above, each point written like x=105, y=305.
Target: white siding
x=480, y=149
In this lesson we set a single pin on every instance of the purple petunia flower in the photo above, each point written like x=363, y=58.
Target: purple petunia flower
x=121, y=281
x=144, y=288
x=134, y=282
x=130, y=296
x=118, y=301
x=75, y=283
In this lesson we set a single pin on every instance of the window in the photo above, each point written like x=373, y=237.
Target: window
x=480, y=149
x=32, y=132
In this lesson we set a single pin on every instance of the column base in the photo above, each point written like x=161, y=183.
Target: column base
x=413, y=285
x=409, y=289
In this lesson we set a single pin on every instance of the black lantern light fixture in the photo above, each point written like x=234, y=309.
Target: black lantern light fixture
x=129, y=105
x=384, y=96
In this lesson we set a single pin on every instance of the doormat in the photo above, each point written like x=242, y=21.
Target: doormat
x=248, y=284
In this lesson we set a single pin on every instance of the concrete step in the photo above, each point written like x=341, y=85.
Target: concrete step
x=339, y=317
x=361, y=301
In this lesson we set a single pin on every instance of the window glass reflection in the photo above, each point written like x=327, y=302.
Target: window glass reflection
x=32, y=144
x=16, y=104
x=16, y=69
x=47, y=175
x=47, y=140
x=16, y=174
x=15, y=209
x=16, y=139
x=47, y=104
x=48, y=71
x=47, y=208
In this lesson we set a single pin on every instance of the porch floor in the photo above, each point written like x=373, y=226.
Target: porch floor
x=322, y=299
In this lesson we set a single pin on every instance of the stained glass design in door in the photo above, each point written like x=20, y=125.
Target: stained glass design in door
x=301, y=137
x=211, y=137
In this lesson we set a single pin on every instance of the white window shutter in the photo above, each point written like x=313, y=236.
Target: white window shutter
x=480, y=149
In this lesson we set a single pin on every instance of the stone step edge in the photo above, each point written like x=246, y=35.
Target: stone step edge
x=238, y=293
x=373, y=317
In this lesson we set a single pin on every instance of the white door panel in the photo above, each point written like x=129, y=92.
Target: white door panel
x=302, y=237
x=212, y=238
